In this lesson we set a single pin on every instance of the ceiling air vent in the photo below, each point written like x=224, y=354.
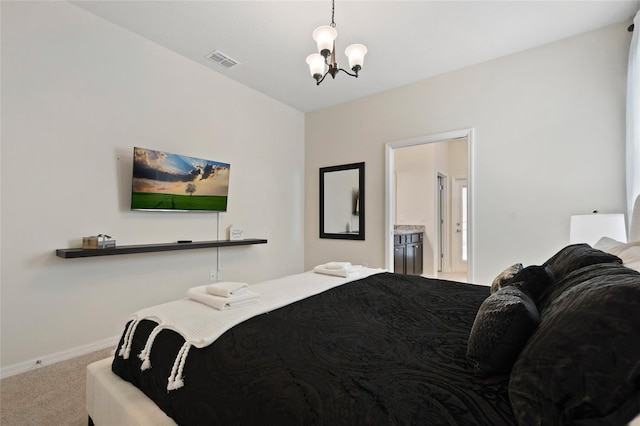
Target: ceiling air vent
x=222, y=59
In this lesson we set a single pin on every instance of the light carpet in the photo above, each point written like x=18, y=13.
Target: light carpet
x=49, y=395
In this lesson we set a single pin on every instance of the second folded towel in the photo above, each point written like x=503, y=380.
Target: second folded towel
x=199, y=294
x=337, y=265
x=338, y=272
x=227, y=288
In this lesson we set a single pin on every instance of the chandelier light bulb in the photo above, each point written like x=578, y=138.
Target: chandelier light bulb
x=316, y=64
x=355, y=53
x=324, y=37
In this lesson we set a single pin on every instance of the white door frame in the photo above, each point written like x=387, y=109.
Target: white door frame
x=390, y=191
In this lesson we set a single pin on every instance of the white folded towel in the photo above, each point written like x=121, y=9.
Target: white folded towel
x=337, y=265
x=343, y=272
x=227, y=288
x=199, y=294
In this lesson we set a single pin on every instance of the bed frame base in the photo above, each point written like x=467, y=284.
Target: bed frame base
x=113, y=401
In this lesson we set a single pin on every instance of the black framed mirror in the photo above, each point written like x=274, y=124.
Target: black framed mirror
x=342, y=202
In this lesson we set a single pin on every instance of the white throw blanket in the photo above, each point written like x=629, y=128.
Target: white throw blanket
x=200, y=325
x=201, y=294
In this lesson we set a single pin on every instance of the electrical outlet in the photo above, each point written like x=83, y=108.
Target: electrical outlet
x=212, y=276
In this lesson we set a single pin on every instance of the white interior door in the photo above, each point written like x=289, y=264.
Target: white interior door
x=459, y=225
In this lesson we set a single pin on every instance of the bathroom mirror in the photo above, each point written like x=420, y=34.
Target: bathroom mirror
x=342, y=202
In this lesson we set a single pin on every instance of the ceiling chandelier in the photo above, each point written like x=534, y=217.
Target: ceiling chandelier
x=325, y=37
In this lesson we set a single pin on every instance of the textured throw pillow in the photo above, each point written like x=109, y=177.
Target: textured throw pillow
x=577, y=256
x=505, y=276
x=582, y=364
x=501, y=328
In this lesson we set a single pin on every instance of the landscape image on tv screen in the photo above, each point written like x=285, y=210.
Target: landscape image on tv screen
x=165, y=181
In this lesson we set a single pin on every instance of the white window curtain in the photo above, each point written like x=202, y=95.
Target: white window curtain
x=633, y=125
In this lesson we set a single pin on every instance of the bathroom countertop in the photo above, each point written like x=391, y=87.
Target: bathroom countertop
x=407, y=229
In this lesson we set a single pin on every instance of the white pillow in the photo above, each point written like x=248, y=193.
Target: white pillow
x=628, y=252
x=605, y=244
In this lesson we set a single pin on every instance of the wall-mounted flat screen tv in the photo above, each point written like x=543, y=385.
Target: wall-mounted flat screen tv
x=171, y=182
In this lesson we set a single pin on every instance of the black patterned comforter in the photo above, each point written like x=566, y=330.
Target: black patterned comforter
x=388, y=349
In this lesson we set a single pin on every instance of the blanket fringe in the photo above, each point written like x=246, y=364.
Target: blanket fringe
x=125, y=349
x=145, y=354
x=176, y=381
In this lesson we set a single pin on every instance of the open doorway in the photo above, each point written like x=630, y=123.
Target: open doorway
x=447, y=213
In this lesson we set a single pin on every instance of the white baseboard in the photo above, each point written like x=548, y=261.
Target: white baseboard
x=23, y=367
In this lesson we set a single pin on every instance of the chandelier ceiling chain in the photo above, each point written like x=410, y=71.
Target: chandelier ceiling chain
x=319, y=63
x=333, y=13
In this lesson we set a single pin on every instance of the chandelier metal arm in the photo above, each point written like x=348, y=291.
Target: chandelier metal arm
x=333, y=71
x=352, y=75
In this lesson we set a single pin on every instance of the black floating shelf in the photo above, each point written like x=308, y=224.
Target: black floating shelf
x=72, y=253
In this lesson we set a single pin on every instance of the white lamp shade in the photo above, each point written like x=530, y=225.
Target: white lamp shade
x=316, y=64
x=589, y=228
x=324, y=37
x=355, y=53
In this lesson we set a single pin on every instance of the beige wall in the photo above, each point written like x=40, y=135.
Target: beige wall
x=77, y=94
x=548, y=142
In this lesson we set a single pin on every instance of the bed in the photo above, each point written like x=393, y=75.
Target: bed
x=556, y=343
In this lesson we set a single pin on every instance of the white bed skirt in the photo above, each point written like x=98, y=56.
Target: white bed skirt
x=112, y=401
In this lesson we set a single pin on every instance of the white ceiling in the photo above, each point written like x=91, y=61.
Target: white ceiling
x=407, y=40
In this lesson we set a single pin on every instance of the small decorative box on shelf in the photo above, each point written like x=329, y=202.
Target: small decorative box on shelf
x=100, y=241
x=71, y=253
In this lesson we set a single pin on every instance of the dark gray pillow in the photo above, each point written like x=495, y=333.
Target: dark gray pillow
x=501, y=328
x=582, y=364
x=536, y=281
x=576, y=256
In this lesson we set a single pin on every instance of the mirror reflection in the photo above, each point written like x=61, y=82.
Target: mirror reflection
x=342, y=202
